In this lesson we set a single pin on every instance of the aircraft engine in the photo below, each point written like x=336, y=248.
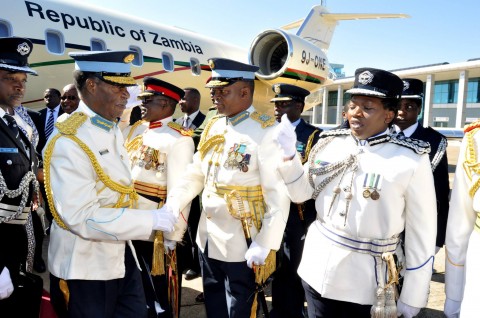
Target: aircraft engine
x=287, y=58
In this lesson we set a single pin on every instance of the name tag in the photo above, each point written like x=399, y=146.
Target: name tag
x=8, y=150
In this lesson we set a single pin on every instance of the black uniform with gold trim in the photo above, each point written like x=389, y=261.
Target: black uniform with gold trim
x=288, y=296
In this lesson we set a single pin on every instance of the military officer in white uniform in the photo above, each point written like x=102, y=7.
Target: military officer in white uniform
x=369, y=187
x=462, y=261
x=159, y=151
x=235, y=152
x=89, y=186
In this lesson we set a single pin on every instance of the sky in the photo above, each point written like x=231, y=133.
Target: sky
x=437, y=31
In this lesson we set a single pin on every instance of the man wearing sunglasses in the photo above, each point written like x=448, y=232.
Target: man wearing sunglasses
x=69, y=100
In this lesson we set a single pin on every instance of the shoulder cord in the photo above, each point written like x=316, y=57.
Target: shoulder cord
x=471, y=164
x=109, y=183
x=23, y=189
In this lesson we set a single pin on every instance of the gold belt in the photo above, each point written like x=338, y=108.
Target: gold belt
x=150, y=189
x=253, y=195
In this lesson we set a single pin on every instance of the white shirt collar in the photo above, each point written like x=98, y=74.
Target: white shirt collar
x=409, y=131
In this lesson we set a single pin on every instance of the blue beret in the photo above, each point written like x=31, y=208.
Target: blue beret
x=113, y=66
x=285, y=92
x=377, y=83
x=14, y=54
x=226, y=72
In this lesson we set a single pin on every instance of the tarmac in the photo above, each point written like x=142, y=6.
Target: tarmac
x=192, y=309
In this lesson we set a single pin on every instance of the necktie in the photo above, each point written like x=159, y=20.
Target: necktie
x=50, y=123
x=401, y=135
x=12, y=124
x=186, y=122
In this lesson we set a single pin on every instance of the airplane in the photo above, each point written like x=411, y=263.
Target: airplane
x=172, y=54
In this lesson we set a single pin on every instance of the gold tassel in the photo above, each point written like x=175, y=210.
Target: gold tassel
x=378, y=309
x=263, y=272
x=253, y=313
x=65, y=291
x=158, y=260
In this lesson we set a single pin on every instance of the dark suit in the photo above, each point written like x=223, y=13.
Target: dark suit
x=438, y=159
x=188, y=252
x=13, y=237
x=288, y=296
x=40, y=123
x=197, y=121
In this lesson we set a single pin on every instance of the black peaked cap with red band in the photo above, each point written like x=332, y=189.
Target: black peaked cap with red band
x=154, y=86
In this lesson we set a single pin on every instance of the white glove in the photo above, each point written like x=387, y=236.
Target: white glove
x=256, y=254
x=452, y=308
x=169, y=245
x=286, y=137
x=164, y=219
x=406, y=310
x=6, y=286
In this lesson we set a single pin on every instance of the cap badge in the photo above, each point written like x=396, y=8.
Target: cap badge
x=365, y=78
x=23, y=48
x=277, y=89
x=406, y=85
x=129, y=58
x=211, y=64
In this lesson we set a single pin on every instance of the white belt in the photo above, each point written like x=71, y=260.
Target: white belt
x=7, y=210
x=374, y=247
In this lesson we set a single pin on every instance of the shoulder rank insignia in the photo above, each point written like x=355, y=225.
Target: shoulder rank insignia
x=70, y=125
x=179, y=128
x=471, y=126
x=419, y=146
x=263, y=119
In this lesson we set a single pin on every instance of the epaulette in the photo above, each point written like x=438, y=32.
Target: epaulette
x=471, y=126
x=179, y=128
x=263, y=119
x=70, y=125
x=419, y=146
x=334, y=132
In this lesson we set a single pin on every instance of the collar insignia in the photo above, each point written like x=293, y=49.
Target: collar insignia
x=102, y=123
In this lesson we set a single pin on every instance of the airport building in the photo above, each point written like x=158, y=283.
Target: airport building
x=452, y=94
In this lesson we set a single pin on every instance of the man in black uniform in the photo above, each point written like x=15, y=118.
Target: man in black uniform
x=288, y=296
x=18, y=167
x=406, y=123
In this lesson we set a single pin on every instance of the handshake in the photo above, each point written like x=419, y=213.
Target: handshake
x=164, y=219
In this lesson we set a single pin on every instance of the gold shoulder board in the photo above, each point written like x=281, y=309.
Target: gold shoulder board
x=177, y=127
x=70, y=125
x=263, y=119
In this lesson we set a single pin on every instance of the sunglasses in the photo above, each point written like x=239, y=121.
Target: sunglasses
x=68, y=97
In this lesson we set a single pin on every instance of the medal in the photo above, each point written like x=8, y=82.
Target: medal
x=375, y=195
x=366, y=193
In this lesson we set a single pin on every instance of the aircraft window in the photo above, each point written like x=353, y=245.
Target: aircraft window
x=54, y=42
x=138, y=61
x=195, y=66
x=97, y=45
x=168, y=62
x=5, y=29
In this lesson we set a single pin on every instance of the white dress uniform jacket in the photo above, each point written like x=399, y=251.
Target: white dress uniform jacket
x=94, y=248
x=224, y=234
x=462, y=261
x=176, y=152
x=406, y=202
